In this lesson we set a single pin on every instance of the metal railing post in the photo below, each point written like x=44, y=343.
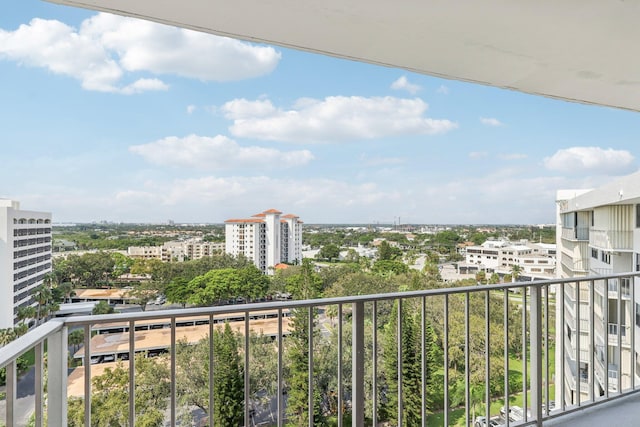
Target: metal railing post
x=535, y=302
x=11, y=392
x=357, y=404
x=57, y=349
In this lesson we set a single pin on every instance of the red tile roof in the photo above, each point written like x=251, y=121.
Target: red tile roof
x=272, y=211
x=289, y=216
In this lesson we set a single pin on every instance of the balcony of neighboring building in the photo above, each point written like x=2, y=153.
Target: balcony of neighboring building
x=611, y=240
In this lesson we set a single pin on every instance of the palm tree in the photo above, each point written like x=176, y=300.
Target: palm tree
x=515, y=272
x=44, y=297
x=66, y=289
x=26, y=312
x=76, y=338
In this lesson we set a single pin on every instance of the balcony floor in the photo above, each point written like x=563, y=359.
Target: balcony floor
x=621, y=412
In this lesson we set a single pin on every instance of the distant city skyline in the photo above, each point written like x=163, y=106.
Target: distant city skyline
x=105, y=118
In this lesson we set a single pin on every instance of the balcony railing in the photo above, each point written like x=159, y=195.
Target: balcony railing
x=360, y=390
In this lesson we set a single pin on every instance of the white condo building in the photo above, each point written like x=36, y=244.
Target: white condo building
x=536, y=260
x=176, y=251
x=268, y=238
x=25, y=257
x=598, y=232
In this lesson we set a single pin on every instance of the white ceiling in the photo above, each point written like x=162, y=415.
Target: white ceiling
x=578, y=50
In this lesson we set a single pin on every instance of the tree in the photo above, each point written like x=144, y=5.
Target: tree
x=263, y=370
x=63, y=291
x=110, y=396
x=409, y=342
x=43, y=296
x=215, y=286
x=76, y=339
x=102, y=307
x=228, y=384
x=351, y=256
x=515, y=272
x=304, y=285
x=386, y=252
x=177, y=291
x=389, y=266
x=329, y=252
x=144, y=292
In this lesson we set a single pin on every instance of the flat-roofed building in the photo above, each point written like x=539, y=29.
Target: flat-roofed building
x=25, y=257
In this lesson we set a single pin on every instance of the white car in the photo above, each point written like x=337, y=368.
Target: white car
x=481, y=421
x=516, y=413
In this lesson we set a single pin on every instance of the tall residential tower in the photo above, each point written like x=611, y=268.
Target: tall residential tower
x=25, y=257
x=268, y=238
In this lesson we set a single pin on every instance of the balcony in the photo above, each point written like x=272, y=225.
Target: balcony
x=612, y=240
x=353, y=327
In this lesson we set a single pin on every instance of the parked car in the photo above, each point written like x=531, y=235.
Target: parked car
x=481, y=421
x=516, y=413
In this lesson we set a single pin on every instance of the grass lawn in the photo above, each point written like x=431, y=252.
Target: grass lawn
x=457, y=416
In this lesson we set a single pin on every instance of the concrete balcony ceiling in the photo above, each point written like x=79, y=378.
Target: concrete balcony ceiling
x=576, y=50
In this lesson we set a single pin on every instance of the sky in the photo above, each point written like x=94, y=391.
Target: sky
x=105, y=118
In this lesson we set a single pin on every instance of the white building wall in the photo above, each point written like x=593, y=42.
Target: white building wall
x=597, y=234
x=25, y=257
x=272, y=237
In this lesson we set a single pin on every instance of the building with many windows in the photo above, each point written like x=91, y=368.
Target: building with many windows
x=25, y=257
x=176, y=251
x=535, y=260
x=268, y=238
x=598, y=233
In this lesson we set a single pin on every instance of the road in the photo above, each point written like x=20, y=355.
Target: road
x=25, y=404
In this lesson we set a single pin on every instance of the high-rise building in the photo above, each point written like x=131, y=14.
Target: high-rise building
x=598, y=233
x=268, y=238
x=25, y=257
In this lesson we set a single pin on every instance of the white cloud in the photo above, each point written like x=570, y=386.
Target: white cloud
x=336, y=118
x=142, y=85
x=490, y=121
x=219, y=152
x=191, y=109
x=443, y=90
x=403, y=84
x=591, y=159
x=106, y=47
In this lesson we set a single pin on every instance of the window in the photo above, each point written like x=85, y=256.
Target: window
x=638, y=315
x=594, y=253
x=606, y=257
x=637, y=262
x=637, y=216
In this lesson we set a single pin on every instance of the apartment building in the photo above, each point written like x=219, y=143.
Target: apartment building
x=536, y=260
x=598, y=233
x=267, y=238
x=176, y=250
x=25, y=257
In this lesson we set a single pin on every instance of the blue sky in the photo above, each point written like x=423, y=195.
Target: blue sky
x=108, y=118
